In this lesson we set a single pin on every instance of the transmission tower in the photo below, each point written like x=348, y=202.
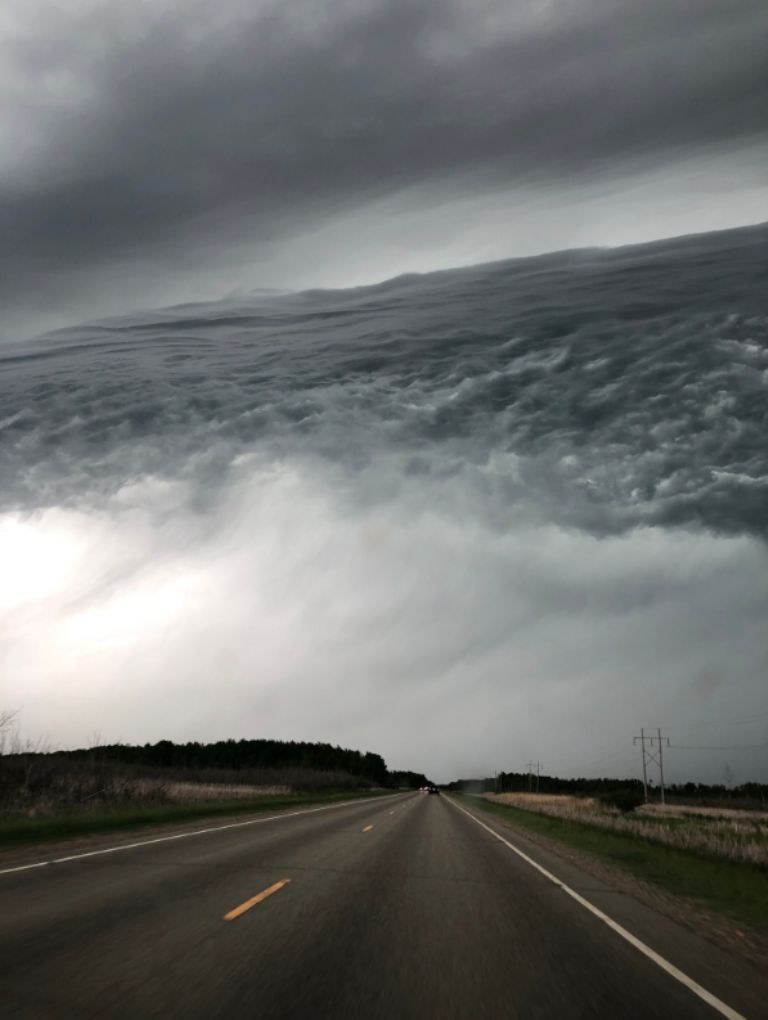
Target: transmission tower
x=531, y=766
x=651, y=749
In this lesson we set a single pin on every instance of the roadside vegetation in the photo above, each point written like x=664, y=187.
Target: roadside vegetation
x=713, y=859
x=49, y=795
x=750, y=796
x=727, y=833
x=17, y=831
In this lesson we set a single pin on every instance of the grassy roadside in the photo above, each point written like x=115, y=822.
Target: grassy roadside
x=740, y=891
x=19, y=832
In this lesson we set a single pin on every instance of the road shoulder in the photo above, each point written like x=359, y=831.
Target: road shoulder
x=733, y=964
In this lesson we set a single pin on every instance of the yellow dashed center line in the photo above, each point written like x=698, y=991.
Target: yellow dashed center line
x=367, y=828
x=237, y=911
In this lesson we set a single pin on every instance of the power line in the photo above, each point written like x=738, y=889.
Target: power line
x=721, y=747
x=699, y=724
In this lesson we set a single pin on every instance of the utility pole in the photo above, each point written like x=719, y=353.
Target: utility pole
x=652, y=755
x=531, y=766
x=641, y=738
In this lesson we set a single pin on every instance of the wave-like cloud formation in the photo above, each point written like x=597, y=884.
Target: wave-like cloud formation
x=506, y=498
x=601, y=390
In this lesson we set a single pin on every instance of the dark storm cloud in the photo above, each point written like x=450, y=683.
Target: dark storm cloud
x=601, y=390
x=135, y=135
x=525, y=501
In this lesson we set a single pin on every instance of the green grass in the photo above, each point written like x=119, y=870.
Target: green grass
x=739, y=891
x=15, y=832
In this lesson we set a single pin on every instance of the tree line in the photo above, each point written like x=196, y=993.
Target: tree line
x=508, y=782
x=258, y=754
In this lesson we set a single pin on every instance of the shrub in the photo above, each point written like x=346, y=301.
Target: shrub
x=625, y=799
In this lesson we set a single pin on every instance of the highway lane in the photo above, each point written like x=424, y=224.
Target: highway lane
x=401, y=907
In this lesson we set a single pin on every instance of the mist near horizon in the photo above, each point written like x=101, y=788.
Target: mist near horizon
x=462, y=519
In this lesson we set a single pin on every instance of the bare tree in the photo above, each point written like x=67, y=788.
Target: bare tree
x=7, y=722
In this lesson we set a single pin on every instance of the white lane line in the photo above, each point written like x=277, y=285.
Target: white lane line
x=723, y=1008
x=184, y=835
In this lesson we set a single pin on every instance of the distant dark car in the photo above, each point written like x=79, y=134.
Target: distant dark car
x=432, y=789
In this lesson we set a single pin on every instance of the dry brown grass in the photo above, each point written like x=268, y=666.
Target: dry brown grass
x=192, y=792
x=731, y=834
x=692, y=811
x=37, y=786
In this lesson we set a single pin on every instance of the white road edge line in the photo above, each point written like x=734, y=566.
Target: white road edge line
x=184, y=835
x=693, y=986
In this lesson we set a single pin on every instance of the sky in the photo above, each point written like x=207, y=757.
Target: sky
x=197, y=544
x=156, y=152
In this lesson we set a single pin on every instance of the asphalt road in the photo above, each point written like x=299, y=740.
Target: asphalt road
x=395, y=908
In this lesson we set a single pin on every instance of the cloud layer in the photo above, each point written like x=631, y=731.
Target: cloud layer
x=403, y=626
x=461, y=519
x=179, y=141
